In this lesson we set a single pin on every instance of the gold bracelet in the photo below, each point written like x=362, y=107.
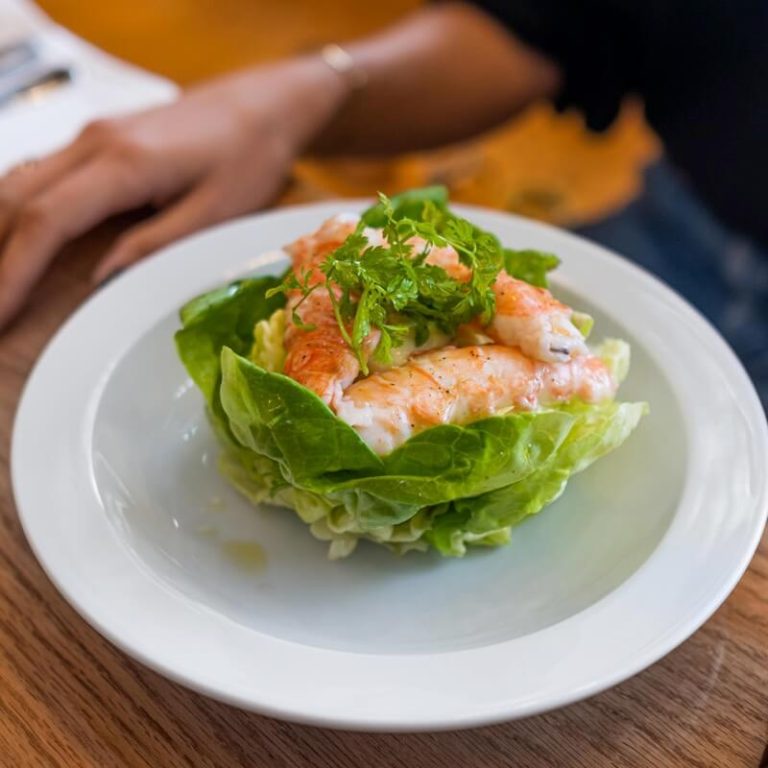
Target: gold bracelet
x=341, y=61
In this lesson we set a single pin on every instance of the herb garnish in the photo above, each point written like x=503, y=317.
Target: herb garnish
x=391, y=287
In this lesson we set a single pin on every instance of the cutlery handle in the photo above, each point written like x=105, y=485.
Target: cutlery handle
x=33, y=86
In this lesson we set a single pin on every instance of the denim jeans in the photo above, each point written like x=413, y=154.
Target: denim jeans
x=670, y=232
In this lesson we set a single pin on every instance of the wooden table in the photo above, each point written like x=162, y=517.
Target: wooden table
x=69, y=699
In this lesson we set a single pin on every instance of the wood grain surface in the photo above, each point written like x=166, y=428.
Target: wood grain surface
x=69, y=699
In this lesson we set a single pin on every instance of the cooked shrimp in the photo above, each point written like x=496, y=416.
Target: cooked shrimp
x=461, y=385
x=526, y=316
x=532, y=319
x=309, y=250
x=319, y=358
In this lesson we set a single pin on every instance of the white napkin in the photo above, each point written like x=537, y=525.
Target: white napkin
x=101, y=86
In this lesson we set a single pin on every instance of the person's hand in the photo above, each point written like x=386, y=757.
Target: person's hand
x=219, y=151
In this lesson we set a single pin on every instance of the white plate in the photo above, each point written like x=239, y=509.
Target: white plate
x=115, y=479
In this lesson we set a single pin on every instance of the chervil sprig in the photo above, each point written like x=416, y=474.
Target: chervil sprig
x=391, y=289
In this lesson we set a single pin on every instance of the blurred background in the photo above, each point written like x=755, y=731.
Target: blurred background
x=543, y=165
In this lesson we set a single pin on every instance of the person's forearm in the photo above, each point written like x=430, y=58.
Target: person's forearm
x=442, y=74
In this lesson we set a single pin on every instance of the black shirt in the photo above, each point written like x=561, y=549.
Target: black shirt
x=700, y=67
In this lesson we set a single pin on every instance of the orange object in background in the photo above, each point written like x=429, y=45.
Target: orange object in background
x=541, y=164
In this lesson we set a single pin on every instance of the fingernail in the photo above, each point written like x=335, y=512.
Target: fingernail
x=110, y=277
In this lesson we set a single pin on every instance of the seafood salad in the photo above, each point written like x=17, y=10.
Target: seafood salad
x=408, y=380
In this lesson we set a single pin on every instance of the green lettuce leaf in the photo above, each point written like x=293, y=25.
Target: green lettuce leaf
x=597, y=430
x=408, y=204
x=268, y=350
x=276, y=416
x=474, y=481
x=224, y=317
x=529, y=265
